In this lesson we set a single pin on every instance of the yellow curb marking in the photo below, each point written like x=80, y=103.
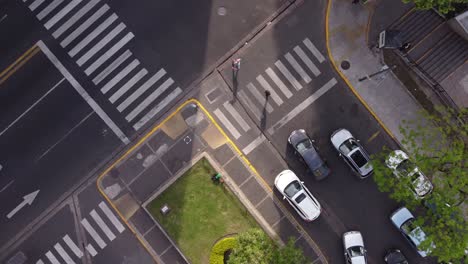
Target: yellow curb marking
x=373, y=136
x=5, y=74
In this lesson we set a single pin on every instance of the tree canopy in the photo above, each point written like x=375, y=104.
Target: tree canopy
x=443, y=6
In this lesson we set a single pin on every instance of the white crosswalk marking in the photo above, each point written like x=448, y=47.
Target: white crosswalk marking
x=92, y=35
x=158, y=108
x=141, y=90
x=103, y=42
x=231, y=110
x=102, y=225
x=91, y=250
x=252, y=145
x=129, y=84
x=35, y=4
x=40, y=262
x=124, y=72
x=63, y=254
x=61, y=14
x=307, y=61
x=48, y=9
x=72, y=246
x=294, y=82
x=52, y=258
x=278, y=82
x=297, y=67
x=227, y=124
x=92, y=232
x=143, y=105
x=116, y=63
x=111, y=217
x=253, y=108
x=70, y=22
x=84, y=26
x=109, y=53
x=314, y=50
x=266, y=86
x=260, y=98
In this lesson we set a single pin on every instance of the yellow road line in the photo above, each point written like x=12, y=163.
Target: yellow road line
x=18, y=63
x=348, y=83
x=373, y=136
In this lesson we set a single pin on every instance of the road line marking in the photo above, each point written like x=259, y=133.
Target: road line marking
x=314, y=50
x=102, y=225
x=266, y=86
x=260, y=98
x=31, y=107
x=307, y=61
x=141, y=90
x=109, y=53
x=157, y=108
x=40, y=262
x=303, y=105
x=278, y=82
x=253, y=108
x=35, y=4
x=52, y=258
x=48, y=9
x=70, y=22
x=252, y=145
x=236, y=116
x=18, y=65
x=129, y=84
x=297, y=67
x=373, y=136
x=92, y=232
x=111, y=217
x=91, y=250
x=3, y=17
x=83, y=26
x=119, y=76
x=63, y=254
x=83, y=93
x=61, y=13
x=294, y=82
x=116, y=63
x=91, y=36
x=148, y=100
x=72, y=246
x=101, y=44
x=227, y=124
x=7, y=185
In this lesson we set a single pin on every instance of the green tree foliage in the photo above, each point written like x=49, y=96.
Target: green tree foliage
x=443, y=6
x=438, y=146
x=254, y=246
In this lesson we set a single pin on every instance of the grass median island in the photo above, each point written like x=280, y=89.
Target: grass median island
x=201, y=212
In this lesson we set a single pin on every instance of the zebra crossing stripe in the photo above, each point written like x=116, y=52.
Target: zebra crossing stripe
x=234, y=132
x=116, y=63
x=297, y=67
x=102, y=225
x=40, y=262
x=92, y=232
x=278, y=82
x=266, y=86
x=111, y=217
x=72, y=246
x=129, y=84
x=63, y=254
x=91, y=250
x=260, y=98
x=70, y=22
x=52, y=258
x=295, y=83
x=253, y=108
x=236, y=116
x=307, y=61
x=35, y=4
x=252, y=145
x=48, y=9
x=61, y=14
x=118, y=77
x=314, y=50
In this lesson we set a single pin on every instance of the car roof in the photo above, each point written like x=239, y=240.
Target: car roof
x=358, y=260
x=340, y=136
x=309, y=206
x=400, y=216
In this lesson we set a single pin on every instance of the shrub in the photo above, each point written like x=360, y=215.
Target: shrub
x=223, y=245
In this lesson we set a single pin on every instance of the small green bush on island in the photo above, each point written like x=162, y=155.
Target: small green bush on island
x=218, y=250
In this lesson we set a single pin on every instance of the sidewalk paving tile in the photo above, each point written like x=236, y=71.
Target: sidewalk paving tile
x=285, y=229
x=254, y=192
x=270, y=211
x=172, y=256
x=302, y=243
x=157, y=240
x=160, y=139
x=182, y=152
x=133, y=166
x=142, y=221
x=150, y=180
x=267, y=164
x=223, y=154
x=237, y=171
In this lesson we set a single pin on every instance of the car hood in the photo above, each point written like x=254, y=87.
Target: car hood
x=358, y=260
x=353, y=238
x=340, y=136
x=400, y=216
x=296, y=137
x=284, y=178
x=395, y=158
x=422, y=186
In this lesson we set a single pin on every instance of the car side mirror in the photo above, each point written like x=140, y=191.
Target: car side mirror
x=339, y=154
x=302, y=182
x=284, y=197
x=358, y=140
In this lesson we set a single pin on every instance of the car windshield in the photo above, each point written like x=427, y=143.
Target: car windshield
x=359, y=158
x=303, y=146
x=405, y=166
x=348, y=145
x=356, y=251
x=292, y=188
x=300, y=198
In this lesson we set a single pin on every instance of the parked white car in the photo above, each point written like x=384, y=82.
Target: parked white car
x=297, y=195
x=352, y=152
x=354, y=250
x=399, y=162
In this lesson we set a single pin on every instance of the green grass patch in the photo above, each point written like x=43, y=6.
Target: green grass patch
x=201, y=212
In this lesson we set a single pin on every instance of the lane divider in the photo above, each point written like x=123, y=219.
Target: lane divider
x=5, y=74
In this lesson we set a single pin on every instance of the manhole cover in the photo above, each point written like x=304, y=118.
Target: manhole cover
x=345, y=65
x=222, y=11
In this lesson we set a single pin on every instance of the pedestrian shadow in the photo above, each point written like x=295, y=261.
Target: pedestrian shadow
x=235, y=86
x=264, y=112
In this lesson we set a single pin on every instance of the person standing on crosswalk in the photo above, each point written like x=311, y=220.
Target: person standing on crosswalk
x=236, y=64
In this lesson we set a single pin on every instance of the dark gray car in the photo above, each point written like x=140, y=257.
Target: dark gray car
x=306, y=149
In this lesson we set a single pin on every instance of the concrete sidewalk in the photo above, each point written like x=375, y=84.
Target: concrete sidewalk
x=384, y=95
